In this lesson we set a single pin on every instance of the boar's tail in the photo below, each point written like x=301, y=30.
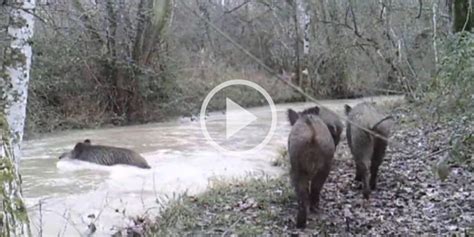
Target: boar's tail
x=311, y=127
x=374, y=128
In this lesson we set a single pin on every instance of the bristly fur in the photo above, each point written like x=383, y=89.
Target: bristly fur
x=312, y=110
x=309, y=122
x=311, y=150
x=367, y=150
x=105, y=155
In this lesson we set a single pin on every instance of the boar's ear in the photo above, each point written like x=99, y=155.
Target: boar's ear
x=347, y=109
x=87, y=141
x=314, y=110
x=292, y=116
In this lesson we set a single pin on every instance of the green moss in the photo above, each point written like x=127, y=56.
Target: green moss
x=6, y=174
x=4, y=75
x=14, y=211
x=18, y=22
x=20, y=212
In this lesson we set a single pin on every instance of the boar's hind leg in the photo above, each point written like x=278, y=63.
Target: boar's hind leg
x=363, y=159
x=359, y=171
x=316, y=185
x=377, y=158
x=301, y=183
x=364, y=174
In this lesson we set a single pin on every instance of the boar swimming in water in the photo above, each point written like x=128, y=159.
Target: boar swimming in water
x=105, y=155
x=367, y=150
x=311, y=149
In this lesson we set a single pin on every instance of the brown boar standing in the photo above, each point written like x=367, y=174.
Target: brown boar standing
x=367, y=150
x=311, y=150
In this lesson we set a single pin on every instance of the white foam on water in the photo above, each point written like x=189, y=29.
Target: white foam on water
x=68, y=165
x=132, y=190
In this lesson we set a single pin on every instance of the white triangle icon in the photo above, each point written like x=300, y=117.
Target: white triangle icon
x=236, y=118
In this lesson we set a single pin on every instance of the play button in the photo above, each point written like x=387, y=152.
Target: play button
x=241, y=130
x=236, y=118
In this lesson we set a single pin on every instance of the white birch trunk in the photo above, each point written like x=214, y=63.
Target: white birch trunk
x=14, y=77
x=304, y=20
x=17, y=70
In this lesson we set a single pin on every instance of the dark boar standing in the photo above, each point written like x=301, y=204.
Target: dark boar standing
x=333, y=122
x=311, y=150
x=367, y=150
x=105, y=155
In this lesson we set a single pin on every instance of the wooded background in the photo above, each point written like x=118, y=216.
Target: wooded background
x=124, y=62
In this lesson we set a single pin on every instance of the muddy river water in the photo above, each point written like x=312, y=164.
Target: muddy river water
x=63, y=197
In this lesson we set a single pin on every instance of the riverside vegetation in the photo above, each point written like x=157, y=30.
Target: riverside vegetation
x=117, y=63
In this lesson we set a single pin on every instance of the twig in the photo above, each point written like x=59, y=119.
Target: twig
x=435, y=47
x=468, y=15
x=237, y=7
x=231, y=226
x=345, y=25
x=396, y=92
x=431, y=154
x=438, y=152
x=420, y=2
x=40, y=203
x=354, y=21
x=141, y=193
x=382, y=10
x=105, y=205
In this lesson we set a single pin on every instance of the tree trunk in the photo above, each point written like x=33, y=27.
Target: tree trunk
x=14, y=77
x=324, y=17
x=150, y=29
x=463, y=15
x=304, y=21
x=297, y=44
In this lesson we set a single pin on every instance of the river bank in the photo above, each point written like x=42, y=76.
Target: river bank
x=67, y=197
x=411, y=199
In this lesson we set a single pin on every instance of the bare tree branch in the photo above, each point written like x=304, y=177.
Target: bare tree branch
x=85, y=18
x=354, y=21
x=237, y=7
x=420, y=3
